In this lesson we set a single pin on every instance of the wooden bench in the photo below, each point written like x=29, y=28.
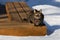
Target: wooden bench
x=16, y=11
x=22, y=29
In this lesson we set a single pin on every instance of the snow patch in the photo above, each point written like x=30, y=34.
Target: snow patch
x=47, y=9
x=57, y=0
x=52, y=20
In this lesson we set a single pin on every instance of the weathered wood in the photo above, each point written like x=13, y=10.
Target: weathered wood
x=17, y=11
x=21, y=13
x=15, y=16
x=9, y=16
x=26, y=8
x=12, y=12
x=10, y=5
x=22, y=29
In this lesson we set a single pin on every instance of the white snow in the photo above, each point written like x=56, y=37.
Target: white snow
x=57, y=0
x=47, y=9
x=52, y=21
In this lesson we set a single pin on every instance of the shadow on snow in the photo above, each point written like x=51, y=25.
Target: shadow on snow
x=51, y=29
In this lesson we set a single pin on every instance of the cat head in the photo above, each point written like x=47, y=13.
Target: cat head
x=37, y=14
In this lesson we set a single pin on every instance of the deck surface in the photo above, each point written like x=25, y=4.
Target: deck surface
x=17, y=11
x=22, y=29
x=13, y=25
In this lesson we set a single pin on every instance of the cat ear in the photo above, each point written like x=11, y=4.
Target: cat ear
x=40, y=10
x=35, y=10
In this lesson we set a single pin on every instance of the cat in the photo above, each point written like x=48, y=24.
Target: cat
x=35, y=17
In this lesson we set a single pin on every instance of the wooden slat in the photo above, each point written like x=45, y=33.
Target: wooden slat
x=17, y=5
x=12, y=10
x=10, y=5
x=15, y=16
x=26, y=8
x=9, y=16
x=12, y=14
x=24, y=4
x=21, y=11
x=22, y=30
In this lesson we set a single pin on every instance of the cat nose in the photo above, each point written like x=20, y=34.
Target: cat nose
x=37, y=15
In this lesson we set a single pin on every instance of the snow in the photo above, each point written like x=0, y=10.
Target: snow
x=57, y=0
x=47, y=9
x=52, y=20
